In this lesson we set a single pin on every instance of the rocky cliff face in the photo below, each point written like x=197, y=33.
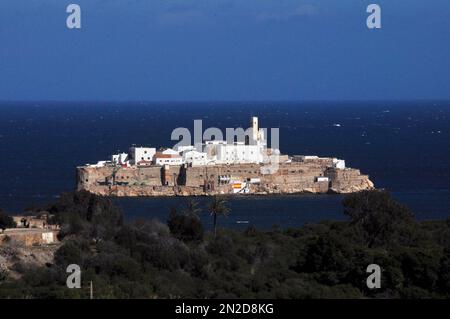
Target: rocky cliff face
x=289, y=178
x=356, y=185
x=347, y=180
x=15, y=257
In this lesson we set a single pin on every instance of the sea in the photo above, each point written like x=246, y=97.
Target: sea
x=403, y=146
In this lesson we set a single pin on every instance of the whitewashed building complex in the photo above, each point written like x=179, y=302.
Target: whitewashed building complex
x=252, y=150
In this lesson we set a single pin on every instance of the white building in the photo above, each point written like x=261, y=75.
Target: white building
x=144, y=154
x=210, y=148
x=252, y=150
x=120, y=158
x=167, y=157
x=195, y=158
x=338, y=163
x=169, y=151
x=239, y=153
x=185, y=148
x=99, y=164
x=309, y=157
x=258, y=135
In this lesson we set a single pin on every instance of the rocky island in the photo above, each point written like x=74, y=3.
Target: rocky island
x=219, y=167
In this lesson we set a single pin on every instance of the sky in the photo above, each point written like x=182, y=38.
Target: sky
x=224, y=50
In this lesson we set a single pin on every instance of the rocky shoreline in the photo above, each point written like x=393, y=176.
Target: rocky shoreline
x=183, y=191
x=154, y=181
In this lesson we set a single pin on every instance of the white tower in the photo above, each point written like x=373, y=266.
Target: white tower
x=255, y=129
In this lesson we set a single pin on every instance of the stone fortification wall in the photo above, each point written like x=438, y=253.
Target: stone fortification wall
x=296, y=177
x=348, y=180
x=88, y=177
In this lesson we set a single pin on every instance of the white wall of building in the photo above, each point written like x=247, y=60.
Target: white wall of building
x=170, y=151
x=195, y=158
x=338, y=163
x=142, y=153
x=48, y=238
x=119, y=158
x=99, y=164
x=239, y=153
x=255, y=128
x=182, y=149
x=168, y=160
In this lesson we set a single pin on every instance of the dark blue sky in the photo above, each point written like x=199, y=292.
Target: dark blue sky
x=224, y=50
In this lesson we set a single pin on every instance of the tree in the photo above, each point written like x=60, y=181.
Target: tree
x=381, y=219
x=186, y=227
x=218, y=207
x=6, y=221
x=192, y=208
x=86, y=214
x=71, y=252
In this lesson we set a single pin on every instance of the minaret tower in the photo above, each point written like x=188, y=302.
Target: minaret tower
x=255, y=129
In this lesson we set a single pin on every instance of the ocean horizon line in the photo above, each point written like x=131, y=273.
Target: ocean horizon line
x=143, y=102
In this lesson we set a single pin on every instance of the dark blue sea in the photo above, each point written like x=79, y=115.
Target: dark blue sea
x=403, y=146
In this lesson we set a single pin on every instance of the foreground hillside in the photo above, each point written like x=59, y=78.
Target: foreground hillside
x=180, y=260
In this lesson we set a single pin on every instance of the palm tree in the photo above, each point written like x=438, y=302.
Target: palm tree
x=192, y=208
x=218, y=207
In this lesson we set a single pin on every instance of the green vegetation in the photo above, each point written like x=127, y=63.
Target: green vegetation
x=185, y=227
x=217, y=208
x=325, y=260
x=6, y=221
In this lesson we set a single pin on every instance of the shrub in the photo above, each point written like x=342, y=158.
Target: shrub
x=70, y=253
x=185, y=227
x=6, y=221
x=382, y=220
